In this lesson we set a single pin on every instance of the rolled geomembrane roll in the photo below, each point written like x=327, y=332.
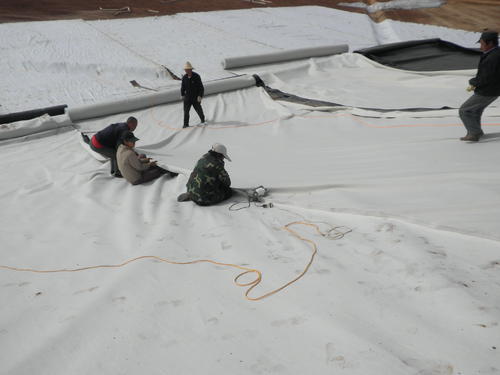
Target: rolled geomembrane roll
x=150, y=100
x=281, y=56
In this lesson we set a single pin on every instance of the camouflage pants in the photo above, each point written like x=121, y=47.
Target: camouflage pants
x=214, y=198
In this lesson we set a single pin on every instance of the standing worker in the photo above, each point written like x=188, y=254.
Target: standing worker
x=209, y=182
x=106, y=141
x=192, y=92
x=486, y=86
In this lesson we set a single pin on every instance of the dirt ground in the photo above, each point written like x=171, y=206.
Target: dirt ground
x=473, y=15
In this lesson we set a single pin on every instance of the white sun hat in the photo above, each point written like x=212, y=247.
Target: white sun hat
x=188, y=65
x=221, y=149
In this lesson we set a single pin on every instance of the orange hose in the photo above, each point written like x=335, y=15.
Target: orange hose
x=246, y=270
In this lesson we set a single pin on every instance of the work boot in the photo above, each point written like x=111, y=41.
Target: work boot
x=173, y=174
x=185, y=126
x=471, y=138
x=117, y=174
x=184, y=197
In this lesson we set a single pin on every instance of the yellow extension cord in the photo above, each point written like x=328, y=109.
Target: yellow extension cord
x=246, y=270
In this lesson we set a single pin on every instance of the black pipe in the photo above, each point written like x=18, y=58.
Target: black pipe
x=34, y=113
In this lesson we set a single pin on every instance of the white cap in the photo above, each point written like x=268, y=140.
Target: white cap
x=221, y=149
x=188, y=65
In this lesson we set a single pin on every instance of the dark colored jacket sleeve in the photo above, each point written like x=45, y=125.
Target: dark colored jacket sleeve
x=183, y=86
x=201, y=88
x=487, y=79
x=111, y=135
x=485, y=73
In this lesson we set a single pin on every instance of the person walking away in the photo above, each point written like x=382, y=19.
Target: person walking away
x=192, y=91
x=136, y=169
x=106, y=141
x=486, y=87
x=209, y=182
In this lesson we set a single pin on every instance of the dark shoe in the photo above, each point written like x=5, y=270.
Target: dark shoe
x=173, y=174
x=117, y=174
x=185, y=126
x=471, y=138
x=85, y=138
x=184, y=197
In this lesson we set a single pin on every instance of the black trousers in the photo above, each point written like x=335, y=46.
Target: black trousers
x=197, y=107
x=109, y=153
x=150, y=174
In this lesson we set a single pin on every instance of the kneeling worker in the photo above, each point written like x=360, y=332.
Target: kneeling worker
x=106, y=141
x=209, y=182
x=137, y=169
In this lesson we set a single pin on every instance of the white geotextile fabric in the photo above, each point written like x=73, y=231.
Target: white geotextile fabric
x=33, y=126
x=67, y=62
x=398, y=153
x=77, y=62
x=355, y=81
x=413, y=289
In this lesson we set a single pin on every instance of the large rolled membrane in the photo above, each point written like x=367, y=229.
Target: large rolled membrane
x=281, y=56
x=108, y=108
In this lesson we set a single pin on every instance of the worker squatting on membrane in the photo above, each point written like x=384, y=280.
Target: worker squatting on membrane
x=117, y=142
x=106, y=141
x=486, y=87
x=209, y=183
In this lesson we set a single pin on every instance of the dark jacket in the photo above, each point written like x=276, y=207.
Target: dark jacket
x=111, y=135
x=192, y=87
x=209, y=182
x=487, y=79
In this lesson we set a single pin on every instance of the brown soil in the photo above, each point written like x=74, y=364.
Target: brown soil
x=473, y=15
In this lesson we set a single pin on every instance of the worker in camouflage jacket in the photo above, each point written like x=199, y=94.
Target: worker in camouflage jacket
x=209, y=182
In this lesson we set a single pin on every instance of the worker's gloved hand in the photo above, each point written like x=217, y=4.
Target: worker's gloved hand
x=470, y=88
x=199, y=99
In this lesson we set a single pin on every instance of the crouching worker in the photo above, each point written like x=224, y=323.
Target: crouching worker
x=108, y=139
x=209, y=182
x=136, y=169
